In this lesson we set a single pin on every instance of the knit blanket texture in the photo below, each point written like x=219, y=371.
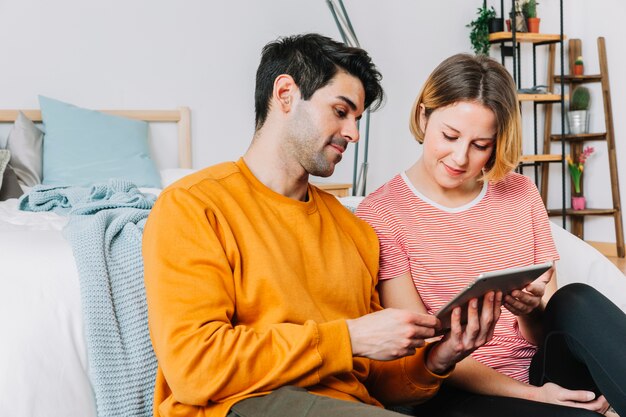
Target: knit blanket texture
x=105, y=230
x=115, y=193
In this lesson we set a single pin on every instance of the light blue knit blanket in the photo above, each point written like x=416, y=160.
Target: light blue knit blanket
x=116, y=193
x=105, y=230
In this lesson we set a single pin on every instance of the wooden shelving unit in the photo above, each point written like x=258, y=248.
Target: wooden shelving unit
x=582, y=213
x=530, y=159
x=577, y=141
x=536, y=38
x=582, y=137
x=338, y=189
x=542, y=157
x=540, y=98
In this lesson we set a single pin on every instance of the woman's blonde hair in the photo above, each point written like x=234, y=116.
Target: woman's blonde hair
x=482, y=80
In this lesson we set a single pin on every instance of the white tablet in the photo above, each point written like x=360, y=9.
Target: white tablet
x=505, y=280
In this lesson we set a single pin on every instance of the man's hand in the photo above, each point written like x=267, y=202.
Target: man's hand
x=555, y=394
x=523, y=302
x=463, y=340
x=390, y=334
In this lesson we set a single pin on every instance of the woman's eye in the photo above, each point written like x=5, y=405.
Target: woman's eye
x=481, y=147
x=449, y=137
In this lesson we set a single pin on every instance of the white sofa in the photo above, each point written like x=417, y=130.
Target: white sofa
x=580, y=262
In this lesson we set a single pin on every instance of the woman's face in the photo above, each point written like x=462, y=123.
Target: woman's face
x=458, y=141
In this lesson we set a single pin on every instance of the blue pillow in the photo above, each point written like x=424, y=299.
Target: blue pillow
x=82, y=147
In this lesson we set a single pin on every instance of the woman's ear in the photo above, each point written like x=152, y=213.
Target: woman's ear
x=285, y=89
x=423, y=118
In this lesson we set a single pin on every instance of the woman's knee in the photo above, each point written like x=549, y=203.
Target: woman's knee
x=577, y=304
x=576, y=297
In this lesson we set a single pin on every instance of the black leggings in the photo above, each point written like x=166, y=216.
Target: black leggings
x=582, y=350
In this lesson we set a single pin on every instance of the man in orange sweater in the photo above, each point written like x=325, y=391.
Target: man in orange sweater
x=261, y=288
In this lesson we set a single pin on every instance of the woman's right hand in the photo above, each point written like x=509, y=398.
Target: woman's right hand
x=462, y=340
x=555, y=394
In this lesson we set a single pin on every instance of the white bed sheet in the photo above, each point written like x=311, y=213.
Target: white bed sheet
x=43, y=355
x=12, y=219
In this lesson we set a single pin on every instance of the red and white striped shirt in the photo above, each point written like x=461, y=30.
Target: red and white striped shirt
x=444, y=249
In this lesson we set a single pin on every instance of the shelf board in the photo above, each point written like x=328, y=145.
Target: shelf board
x=527, y=159
x=582, y=137
x=580, y=79
x=524, y=37
x=586, y=212
x=543, y=98
x=338, y=189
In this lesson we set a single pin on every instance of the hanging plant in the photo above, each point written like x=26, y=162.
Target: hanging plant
x=479, y=34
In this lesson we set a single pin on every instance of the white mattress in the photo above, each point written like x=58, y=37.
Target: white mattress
x=43, y=356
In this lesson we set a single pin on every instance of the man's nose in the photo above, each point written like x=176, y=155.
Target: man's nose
x=350, y=131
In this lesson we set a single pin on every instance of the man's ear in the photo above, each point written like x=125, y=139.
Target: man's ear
x=285, y=91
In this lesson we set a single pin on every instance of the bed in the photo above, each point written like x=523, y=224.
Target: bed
x=44, y=359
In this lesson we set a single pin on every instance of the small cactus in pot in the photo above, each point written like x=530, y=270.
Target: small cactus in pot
x=578, y=115
x=580, y=99
x=579, y=66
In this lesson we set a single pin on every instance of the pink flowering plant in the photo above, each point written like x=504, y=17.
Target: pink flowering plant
x=576, y=168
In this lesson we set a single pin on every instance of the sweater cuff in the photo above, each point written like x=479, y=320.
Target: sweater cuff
x=416, y=365
x=334, y=347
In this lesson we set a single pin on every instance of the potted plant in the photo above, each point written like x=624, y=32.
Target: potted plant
x=578, y=114
x=576, y=172
x=579, y=66
x=516, y=15
x=529, y=9
x=479, y=34
x=496, y=24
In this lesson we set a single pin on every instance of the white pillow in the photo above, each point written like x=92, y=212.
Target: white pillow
x=351, y=203
x=581, y=262
x=171, y=175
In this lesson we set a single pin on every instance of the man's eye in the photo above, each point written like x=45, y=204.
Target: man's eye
x=340, y=113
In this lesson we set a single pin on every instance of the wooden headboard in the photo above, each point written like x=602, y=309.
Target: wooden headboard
x=181, y=116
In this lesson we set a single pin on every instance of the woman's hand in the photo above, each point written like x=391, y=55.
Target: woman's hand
x=462, y=340
x=526, y=301
x=555, y=394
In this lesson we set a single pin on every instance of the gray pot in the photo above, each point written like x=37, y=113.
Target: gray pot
x=578, y=121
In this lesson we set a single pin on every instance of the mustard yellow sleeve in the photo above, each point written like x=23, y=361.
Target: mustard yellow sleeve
x=190, y=259
x=404, y=381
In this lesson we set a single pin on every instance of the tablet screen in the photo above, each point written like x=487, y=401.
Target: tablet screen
x=505, y=280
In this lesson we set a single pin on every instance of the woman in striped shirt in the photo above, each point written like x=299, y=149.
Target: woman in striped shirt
x=461, y=210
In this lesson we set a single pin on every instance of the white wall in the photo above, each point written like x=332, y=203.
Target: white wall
x=203, y=54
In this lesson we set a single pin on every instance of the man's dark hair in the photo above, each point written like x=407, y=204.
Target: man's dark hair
x=312, y=60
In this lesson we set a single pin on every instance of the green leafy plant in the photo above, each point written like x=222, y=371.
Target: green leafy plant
x=580, y=99
x=529, y=8
x=579, y=61
x=479, y=35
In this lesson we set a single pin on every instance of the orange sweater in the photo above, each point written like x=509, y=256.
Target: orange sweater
x=249, y=290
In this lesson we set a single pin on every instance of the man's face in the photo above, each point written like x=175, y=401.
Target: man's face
x=321, y=128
